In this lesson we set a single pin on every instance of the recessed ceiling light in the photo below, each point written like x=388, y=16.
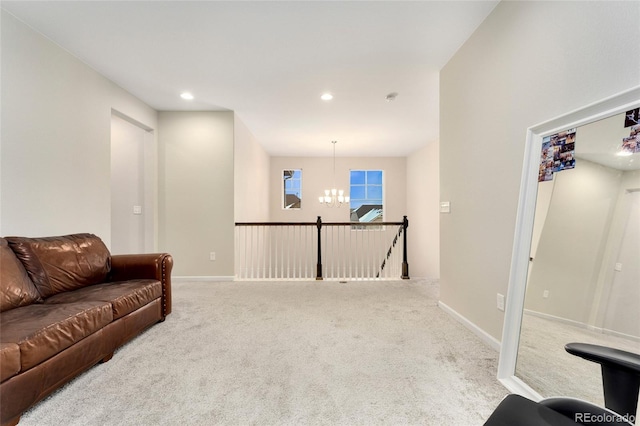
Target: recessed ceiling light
x=186, y=95
x=326, y=97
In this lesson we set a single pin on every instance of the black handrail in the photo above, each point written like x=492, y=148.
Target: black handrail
x=364, y=224
x=405, y=263
x=319, y=263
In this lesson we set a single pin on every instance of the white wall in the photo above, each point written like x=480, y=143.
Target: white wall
x=423, y=192
x=572, y=243
x=127, y=186
x=251, y=176
x=528, y=62
x=317, y=175
x=197, y=193
x=592, y=224
x=56, y=118
x=618, y=297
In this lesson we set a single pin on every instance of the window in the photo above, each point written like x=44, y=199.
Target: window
x=292, y=189
x=366, y=195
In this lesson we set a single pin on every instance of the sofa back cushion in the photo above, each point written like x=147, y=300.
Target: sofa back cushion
x=58, y=264
x=16, y=289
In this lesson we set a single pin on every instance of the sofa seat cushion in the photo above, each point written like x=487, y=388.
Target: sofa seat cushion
x=16, y=288
x=59, y=264
x=124, y=296
x=42, y=330
x=9, y=360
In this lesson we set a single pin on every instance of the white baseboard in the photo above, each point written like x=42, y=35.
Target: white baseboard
x=556, y=319
x=202, y=278
x=618, y=334
x=483, y=335
x=582, y=325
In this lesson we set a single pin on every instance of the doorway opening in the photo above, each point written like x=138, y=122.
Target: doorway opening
x=133, y=187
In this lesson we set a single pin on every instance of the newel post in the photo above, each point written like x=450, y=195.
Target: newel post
x=405, y=264
x=319, y=264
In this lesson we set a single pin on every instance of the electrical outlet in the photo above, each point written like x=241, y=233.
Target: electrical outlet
x=545, y=294
x=212, y=255
x=500, y=301
x=618, y=267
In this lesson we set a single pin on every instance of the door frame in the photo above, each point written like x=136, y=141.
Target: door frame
x=150, y=182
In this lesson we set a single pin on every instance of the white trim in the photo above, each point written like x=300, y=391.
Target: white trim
x=554, y=318
x=515, y=385
x=582, y=325
x=483, y=335
x=526, y=208
x=185, y=278
x=615, y=333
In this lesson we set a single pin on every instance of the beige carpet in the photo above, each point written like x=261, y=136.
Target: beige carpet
x=290, y=353
x=544, y=364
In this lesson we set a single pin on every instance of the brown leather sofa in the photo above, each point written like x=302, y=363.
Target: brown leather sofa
x=66, y=304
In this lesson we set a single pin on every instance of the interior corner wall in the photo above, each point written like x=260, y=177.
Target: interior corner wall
x=196, y=191
x=251, y=176
x=615, y=306
x=527, y=63
x=55, y=137
x=570, y=251
x=423, y=195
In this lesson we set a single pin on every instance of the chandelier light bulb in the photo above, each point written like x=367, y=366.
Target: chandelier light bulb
x=333, y=197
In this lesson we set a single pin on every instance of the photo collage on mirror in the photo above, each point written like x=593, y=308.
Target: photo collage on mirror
x=631, y=144
x=558, y=153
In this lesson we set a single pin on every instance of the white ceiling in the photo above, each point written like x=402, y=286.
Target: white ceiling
x=601, y=141
x=270, y=62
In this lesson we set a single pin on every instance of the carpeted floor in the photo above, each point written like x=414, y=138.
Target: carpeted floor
x=290, y=353
x=550, y=370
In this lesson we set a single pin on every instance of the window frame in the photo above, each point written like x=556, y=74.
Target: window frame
x=283, y=193
x=366, y=185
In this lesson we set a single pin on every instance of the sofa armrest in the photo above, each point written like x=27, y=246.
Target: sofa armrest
x=156, y=266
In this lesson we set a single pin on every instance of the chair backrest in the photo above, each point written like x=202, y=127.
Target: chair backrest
x=586, y=413
x=620, y=375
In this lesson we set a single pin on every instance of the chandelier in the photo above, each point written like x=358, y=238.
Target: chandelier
x=333, y=197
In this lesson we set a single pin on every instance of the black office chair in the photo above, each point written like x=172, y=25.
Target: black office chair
x=621, y=383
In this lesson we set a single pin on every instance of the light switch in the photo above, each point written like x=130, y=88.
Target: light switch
x=137, y=209
x=445, y=207
x=500, y=302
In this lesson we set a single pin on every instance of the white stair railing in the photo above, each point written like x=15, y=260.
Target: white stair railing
x=317, y=250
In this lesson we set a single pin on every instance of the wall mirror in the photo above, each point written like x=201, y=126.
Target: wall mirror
x=575, y=270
